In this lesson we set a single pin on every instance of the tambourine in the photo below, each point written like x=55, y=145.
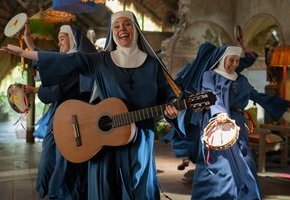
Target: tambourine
x=238, y=33
x=15, y=25
x=220, y=136
x=18, y=99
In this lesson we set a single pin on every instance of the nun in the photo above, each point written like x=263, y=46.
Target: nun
x=229, y=173
x=57, y=178
x=189, y=79
x=129, y=70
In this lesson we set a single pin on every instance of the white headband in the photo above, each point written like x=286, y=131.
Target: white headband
x=233, y=50
x=230, y=50
x=126, y=14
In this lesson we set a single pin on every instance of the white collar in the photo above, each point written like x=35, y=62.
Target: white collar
x=128, y=59
x=232, y=77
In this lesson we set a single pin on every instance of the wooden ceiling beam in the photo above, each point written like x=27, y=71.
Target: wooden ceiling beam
x=86, y=21
x=173, y=6
x=141, y=5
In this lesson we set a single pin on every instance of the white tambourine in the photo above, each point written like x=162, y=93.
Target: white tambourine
x=18, y=99
x=15, y=25
x=220, y=136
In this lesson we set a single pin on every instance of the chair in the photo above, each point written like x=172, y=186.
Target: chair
x=263, y=140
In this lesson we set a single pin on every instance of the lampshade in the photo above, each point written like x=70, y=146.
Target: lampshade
x=75, y=6
x=280, y=56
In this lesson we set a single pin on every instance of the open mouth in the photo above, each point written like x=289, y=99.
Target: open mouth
x=124, y=36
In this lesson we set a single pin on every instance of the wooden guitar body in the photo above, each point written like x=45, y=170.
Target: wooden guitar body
x=80, y=130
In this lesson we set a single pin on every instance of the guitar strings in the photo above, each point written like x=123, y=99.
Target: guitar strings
x=84, y=131
x=106, y=122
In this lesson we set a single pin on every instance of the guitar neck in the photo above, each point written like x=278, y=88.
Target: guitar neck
x=143, y=114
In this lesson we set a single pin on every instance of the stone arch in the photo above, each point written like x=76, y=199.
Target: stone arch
x=257, y=35
x=183, y=46
x=256, y=31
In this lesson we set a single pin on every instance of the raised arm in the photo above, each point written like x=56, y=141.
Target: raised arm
x=55, y=67
x=247, y=60
x=274, y=105
x=18, y=51
x=27, y=38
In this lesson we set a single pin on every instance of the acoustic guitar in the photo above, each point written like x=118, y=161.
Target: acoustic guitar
x=81, y=129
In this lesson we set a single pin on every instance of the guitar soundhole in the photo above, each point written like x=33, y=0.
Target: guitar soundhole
x=105, y=123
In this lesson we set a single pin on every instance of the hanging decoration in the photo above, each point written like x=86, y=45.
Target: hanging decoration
x=95, y=1
x=76, y=6
x=54, y=16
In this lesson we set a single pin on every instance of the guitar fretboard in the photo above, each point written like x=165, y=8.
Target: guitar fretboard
x=143, y=114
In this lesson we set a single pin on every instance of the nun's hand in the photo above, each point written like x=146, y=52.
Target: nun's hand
x=29, y=89
x=171, y=112
x=12, y=49
x=222, y=118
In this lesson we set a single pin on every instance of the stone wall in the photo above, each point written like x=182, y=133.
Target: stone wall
x=214, y=21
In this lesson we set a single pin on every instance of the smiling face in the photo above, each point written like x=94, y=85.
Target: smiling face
x=231, y=63
x=123, y=31
x=63, y=42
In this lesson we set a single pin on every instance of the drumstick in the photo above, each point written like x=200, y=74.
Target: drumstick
x=22, y=58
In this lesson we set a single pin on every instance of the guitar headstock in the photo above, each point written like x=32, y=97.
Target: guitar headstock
x=200, y=100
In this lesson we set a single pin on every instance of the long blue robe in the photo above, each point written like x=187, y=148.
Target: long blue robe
x=57, y=177
x=189, y=79
x=125, y=172
x=231, y=173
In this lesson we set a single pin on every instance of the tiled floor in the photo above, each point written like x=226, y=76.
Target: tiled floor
x=19, y=161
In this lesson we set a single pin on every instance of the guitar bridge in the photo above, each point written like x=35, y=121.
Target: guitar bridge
x=76, y=130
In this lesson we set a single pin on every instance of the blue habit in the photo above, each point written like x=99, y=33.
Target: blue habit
x=57, y=177
x=190, y=79
x=124, y=172
x=231, y=173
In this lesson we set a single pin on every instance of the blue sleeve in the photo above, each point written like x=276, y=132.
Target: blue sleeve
x=274, y=105
x=35, y=63
x=49, y=94
x=247, y=61
x=178, y=123
x=54, y=67
x=59, y=92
